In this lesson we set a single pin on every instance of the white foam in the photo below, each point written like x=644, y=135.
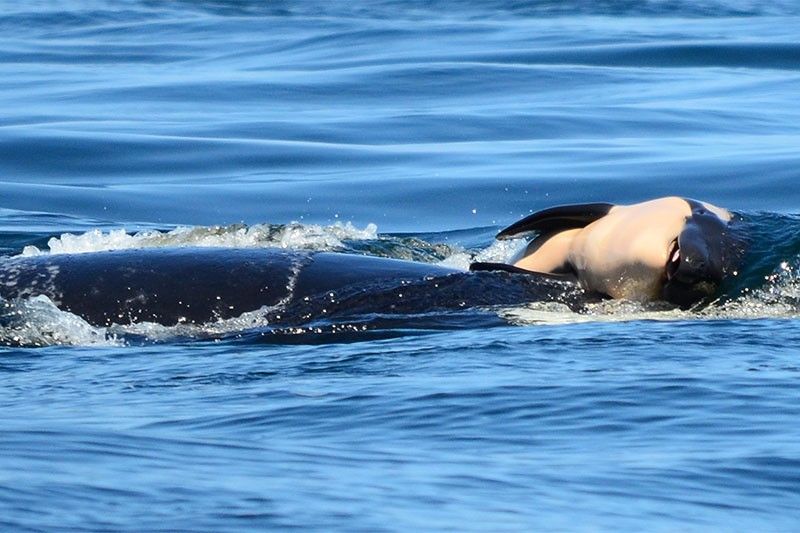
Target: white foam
x=38, y=322
x=552, y=313
x=161, y=333
x=297, y=236
x=497, y=252
x=290, y=236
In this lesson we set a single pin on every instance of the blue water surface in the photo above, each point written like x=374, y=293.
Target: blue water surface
x=412, y=130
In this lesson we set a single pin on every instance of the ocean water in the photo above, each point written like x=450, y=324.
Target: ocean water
x=412, y=130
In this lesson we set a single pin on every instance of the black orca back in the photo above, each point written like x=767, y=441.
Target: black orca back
x=200, y=285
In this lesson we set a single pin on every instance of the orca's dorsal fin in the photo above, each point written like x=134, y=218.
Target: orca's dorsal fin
x=559, y=218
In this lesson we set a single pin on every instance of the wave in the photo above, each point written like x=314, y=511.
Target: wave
x=404, y=10
x=289, y=236
x=103, y=17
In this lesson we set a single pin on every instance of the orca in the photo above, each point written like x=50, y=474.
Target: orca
x=175, y=285
x=672, y=249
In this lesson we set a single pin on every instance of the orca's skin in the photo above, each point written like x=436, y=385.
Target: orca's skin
x=199, y=285
x=672, y=249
